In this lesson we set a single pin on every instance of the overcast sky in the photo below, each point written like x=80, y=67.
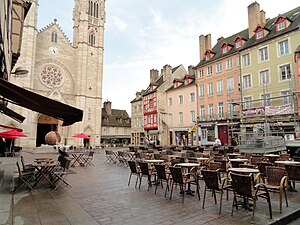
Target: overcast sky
x=144, y=34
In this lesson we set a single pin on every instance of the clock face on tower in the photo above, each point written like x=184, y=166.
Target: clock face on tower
x=53, y=50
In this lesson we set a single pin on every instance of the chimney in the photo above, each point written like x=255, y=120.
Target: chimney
x=254, y=17
x=153, y=75
x=167, y=72
x=202, y=48
x=107, y=107
x=220, y=39
x=191, y=70
x=204, y=44
x=262, y=17
x=208, y=42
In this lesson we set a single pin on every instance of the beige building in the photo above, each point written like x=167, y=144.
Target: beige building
x=69, y=72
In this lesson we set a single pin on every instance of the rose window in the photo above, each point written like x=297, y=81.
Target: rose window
x=51, y=76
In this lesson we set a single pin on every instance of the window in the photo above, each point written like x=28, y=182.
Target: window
x=210, y=88
x=201, y=91
x=219, y=67
x=247, y=81
x=193, y=117
x=54, y=37
x=91, y=39
x=228, y=64
x=287, y=97
x=211, y=111
x=170, y=101
x=230, y=84
x=117, y=130
x=151, y=105
x=246, y=59
x=149, y=119
x=247, y=102
x=220, y=87
x=266, y=99
x=280, y=25
x=107, y=130
x=180, y=117
x=180, y=99
x=283, y=48
x=285, y=72
x=224, y=50
x=192, y=97
x=200, y=73
x=259, y=34
x=263, y=54
x=202, y=112
x=221, y=110
x=238, y=44
x=154, y=118
x=238, y=61
x=230, y=108
x=264, y=77
x=209, y=70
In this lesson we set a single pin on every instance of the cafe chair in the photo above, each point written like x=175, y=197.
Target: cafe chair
x=24, y=178
x=254, y=159
x=243, y=187
x=179, y=179
x=88, y=158
x=26, y=167
x=162, y=175
x=146, y=172
x=261, y=166
x=133, y=171
x=61, y=175
x=213, y=184
x=293, y=174
x=284, y=157
x=276, y=181
x=110, y=157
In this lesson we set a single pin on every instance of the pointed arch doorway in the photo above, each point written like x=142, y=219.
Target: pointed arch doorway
x=45, y=124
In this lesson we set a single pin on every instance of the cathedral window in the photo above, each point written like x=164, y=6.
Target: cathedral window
x=93, y=9
x=92, y=39
x=54, y=37
x=90, y=8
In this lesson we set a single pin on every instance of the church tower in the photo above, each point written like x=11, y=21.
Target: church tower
x=88, y=43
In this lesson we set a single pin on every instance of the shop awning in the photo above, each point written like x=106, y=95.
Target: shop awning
x=12, y=114
x=39, y=103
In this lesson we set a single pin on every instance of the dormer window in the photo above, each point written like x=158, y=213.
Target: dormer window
x=209, y=54
x=281, y=23
x=238, y=42
x=175, y=83
x=224, y=50
x=259, y=34
x=186, y=81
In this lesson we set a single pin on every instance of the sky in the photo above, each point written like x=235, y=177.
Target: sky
x=141, y=35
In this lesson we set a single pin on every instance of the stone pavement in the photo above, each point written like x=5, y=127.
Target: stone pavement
x=100, y=195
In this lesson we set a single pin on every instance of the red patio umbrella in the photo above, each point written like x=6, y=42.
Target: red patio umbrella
x=12, y=134
x=81, y=135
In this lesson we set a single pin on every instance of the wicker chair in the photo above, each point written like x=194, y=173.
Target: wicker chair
x=261, y=166
x=276, y=181
x=212, y=183
x=146, y=172
x=293, y=173
x=243, y=187
x=162, y=175
x=284, y=157
x=133, y=171
x=182, y=181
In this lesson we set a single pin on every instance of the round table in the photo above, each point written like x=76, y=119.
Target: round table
x=286, y=162
x=154, y=160
x=243, y=170
x=188, y=164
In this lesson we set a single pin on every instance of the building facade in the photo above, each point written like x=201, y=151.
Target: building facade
x=69, y=72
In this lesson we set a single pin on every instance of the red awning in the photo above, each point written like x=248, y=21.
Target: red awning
x=39, y=103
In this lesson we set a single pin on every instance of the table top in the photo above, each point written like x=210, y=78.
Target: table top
x=238, y=160
x=244, y=170
x=43, y=164
x=234, y=154
x=188, y=164
x=202, y=158
x=272, y=155
x=154, y=160
x=286, y=162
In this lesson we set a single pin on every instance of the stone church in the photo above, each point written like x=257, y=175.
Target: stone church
x=69, y=72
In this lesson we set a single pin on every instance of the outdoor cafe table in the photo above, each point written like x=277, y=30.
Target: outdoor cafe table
x=233, y=155
x=287, y=162
x=243, y=170
x=44, y=170
x=77, y=156
x=154, y=160
x=189, y=166
x=272, y=157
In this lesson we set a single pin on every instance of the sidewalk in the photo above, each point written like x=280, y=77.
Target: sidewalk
x=100, y=195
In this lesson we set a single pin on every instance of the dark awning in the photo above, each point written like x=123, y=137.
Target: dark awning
x=11, y=113
x=39, y=103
